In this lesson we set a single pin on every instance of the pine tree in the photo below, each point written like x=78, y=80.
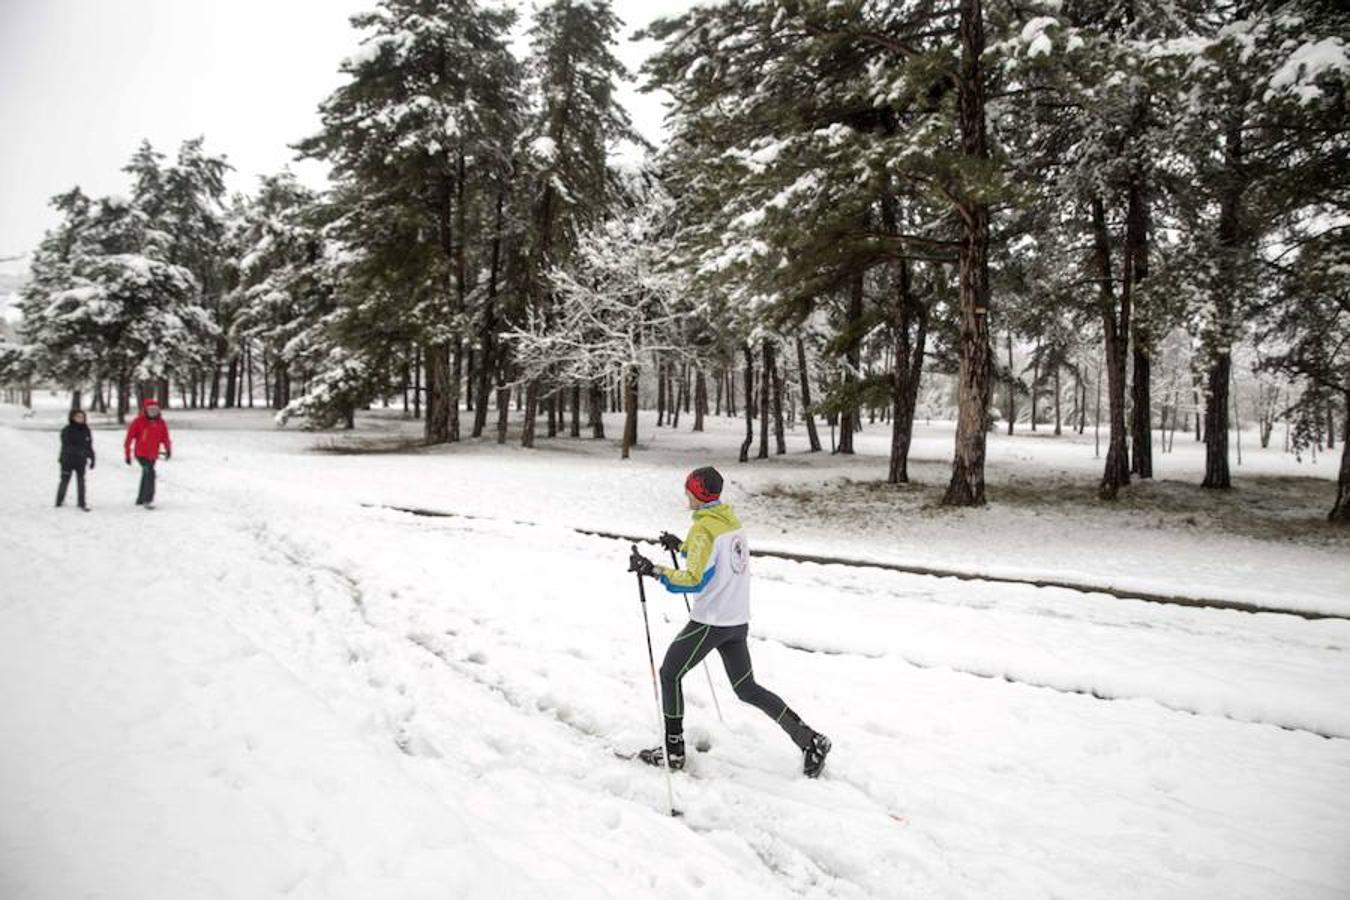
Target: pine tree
x=573, y=73
x=417, y=137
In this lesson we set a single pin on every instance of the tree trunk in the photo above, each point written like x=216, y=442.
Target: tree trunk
x=776, y=373
x=700, y=400
x=967, y=483
x=575, y=430
x=853, y=362
x=660, y=392
x=1057, y=401
x=455, y=386
x=677, y=392
x=1216, y=424
x=488, y=331
x=1340, y=512
x=1035, y=382
x=908, y=370
x=764, y=381
x=503, y=411
x=630, y=409
x=804, y=378
x=597, y=409
x=1219, y=337
x=232, y=383
x=1012, y=393
x=749, y=397
x=437, y=368
x=1136, y=271
x=1116, y=331
x=417, y=386
x=531, y=413
x=721, y=380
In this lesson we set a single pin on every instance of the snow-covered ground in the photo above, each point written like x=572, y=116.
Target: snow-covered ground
x=273, y=686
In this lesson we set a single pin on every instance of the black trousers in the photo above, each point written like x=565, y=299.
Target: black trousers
x=66, y=471
x=147, y=491
x=695, y=641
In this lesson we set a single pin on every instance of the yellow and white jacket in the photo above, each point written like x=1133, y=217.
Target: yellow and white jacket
x=717, y=571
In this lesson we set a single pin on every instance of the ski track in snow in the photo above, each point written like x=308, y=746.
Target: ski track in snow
x=392, y=707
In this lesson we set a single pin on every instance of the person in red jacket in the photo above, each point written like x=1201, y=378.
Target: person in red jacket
x=147, y=433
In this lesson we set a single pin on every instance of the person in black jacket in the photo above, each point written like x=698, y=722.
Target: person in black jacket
x=77, y=448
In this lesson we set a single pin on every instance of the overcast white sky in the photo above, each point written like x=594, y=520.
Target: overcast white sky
x=83, y=81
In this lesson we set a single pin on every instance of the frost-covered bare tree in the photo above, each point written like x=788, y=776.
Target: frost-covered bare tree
x=617, y=305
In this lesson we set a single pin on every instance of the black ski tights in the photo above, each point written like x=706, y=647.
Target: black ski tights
x=696, y=641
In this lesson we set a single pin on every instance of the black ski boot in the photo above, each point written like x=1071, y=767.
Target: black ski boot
x=674, y=748
x=813, y=755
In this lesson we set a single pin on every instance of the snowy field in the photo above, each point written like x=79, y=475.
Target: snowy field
x=275, y=685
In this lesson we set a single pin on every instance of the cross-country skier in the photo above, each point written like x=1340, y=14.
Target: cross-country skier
x=717, y=575
x=77, y=448
x=147, y=433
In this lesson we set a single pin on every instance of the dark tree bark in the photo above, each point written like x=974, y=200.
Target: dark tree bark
x=764, y=381
x=1340, y=512
x=848, y=417
x=1058, y=417
x=967, y=483
x=232, y=383
x=1220, y=369
x=503, y=411
x=1035, y=383
x=531, y=413
x=1116, y=330
x=677, y=392
x=437, y=372
x=749, y=398
x=700, y=400
x=804, y=377
x=488, y=332
x=630, y=407
x=909, y=314
x=417, y=386
x=1012, y=383
x=1136, y=271
x=776, y=372
x=575, y=430
x=660, y=393
x=597, y=411
x=721, y=380
x=470, y=381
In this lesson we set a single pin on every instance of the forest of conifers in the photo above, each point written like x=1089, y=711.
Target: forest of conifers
x=1002, y=214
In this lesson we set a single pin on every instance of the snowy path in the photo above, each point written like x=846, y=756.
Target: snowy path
x=362, y=703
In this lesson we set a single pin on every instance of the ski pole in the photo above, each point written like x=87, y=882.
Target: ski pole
x=661, y=716
x=675, y=562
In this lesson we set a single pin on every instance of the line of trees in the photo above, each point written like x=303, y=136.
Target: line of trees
x=1014, y=199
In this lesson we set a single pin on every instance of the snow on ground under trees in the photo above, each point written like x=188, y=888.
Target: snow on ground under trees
x=274, y=685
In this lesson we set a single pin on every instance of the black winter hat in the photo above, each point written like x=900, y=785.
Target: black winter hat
x=705, y=484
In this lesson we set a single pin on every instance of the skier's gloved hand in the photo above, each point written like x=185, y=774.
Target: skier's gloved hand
x=128, y=459
x=670, y=542
x=91, y=464
x=641, y=565
x=168, y=454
